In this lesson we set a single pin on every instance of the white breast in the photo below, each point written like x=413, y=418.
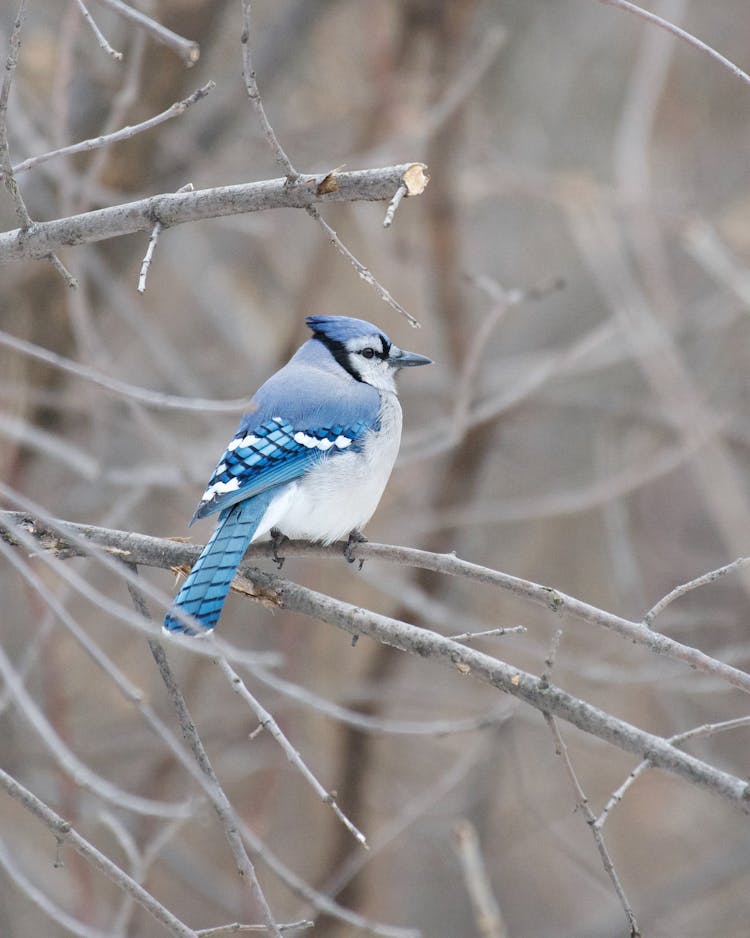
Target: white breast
x=343, y=490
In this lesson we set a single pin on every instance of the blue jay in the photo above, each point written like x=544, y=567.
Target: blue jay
x=309, y=460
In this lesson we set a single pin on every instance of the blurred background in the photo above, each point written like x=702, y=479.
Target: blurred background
x=579, y=265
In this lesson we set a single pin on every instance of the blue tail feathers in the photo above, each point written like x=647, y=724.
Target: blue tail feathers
x=204, y=591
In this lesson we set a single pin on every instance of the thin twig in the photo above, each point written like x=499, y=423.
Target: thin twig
x=267, y=722
x=551, y=659
x=237, y=929
x=363, y=272
x=706, y=729
x=328, y=185
x=6, y=168
x=703, y=580
x=222, y=805
x=251, y=85
x=187, y=50
x=125, y=133
x=488, y=633
x=100, y=37
x=65, y=833
x=487, y=914
x=69, y=762
x=371, y=724
x=9, y=862
x=393, y=205
x=418, y=806
x=148, y=257
x=680, y=33
x=120, y=388
x=582, y=802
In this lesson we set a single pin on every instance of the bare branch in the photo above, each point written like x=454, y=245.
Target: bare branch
x=83, y=776
x=369, y=185
x=149, y=255
x=487, y=633
x=582, y=802
x=237, y=929
x=393, y=205
x=487, y=912
x=65, y=833
x=267, y=721
x=30, y=889
x=680, y=33
x=221, y=803
x=117, y=387
x=125, y=133
x=6, y=169
x=100, y=37
x=187, y=50
x=678, y=591
x=329, y=183
x=138, y=548
x=707, y=729
x=363, y=272
x=251, y=85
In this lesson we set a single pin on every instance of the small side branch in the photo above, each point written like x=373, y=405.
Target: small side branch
x=363, y=271
x=393, y=205
x=582, y=803
x=267, y=721
x=487, y=913
x=125, y=133
x=187, y=50
x=687, y=37
x=6, y=168
x=65, y=834
x=115, y=386
x=251, y=85
x=100, y=37
x=149, y=255
x=221, y=803
x=703, y=580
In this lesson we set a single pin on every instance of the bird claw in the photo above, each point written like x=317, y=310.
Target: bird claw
x=277, y=539
x=355, y=537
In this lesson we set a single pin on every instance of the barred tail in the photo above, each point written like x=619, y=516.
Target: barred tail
x=204, y=591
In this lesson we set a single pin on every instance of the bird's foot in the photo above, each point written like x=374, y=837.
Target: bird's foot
x=277, y=539
x=355, y=537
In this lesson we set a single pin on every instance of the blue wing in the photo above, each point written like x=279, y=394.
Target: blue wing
x=287, y=434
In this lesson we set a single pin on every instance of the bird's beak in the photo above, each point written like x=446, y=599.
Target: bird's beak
x=398, y=358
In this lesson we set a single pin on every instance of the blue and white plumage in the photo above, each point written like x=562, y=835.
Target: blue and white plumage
x=311, y=458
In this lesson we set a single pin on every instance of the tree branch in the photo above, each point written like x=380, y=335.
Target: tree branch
x=187, y=50
x=65, y=833
x=367, y=185
x=687, y=37
x=538, y=693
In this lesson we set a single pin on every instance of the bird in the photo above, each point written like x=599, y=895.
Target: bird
x=310, y=459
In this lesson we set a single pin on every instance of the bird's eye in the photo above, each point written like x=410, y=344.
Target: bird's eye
x=368, y=353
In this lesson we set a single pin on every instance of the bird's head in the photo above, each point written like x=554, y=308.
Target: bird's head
x=365, y=352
